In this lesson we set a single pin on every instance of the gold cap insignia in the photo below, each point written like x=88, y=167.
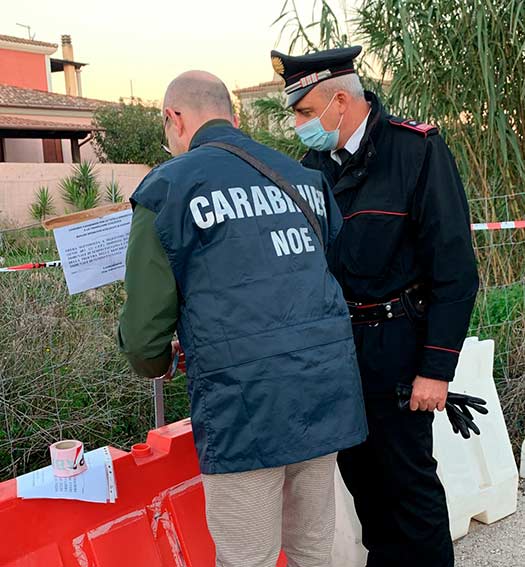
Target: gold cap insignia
x=278, y=65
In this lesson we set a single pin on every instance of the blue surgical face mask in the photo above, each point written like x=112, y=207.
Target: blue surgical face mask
x=313, y=134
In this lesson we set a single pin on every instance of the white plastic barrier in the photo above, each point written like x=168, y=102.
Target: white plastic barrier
x=480, y=475
x=522, y=468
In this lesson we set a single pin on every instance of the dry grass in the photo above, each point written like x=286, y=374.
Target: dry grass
x=61, y=374
x=512, y=388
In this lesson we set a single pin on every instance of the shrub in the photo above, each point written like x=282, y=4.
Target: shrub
x=113, y=192
x=132, y=133
x=43, y=206
x=81, y=189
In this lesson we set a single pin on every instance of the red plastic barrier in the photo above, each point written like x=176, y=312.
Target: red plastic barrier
x=158, y=519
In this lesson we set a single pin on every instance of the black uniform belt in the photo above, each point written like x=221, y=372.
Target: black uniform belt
x=362, y=313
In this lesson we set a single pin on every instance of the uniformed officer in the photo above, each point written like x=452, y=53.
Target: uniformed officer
x=227, y=257
x=405, y=261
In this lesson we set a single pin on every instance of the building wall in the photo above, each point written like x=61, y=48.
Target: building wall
x=66, y=151
x=19, y=150
x=25, y=150
x=87, y=152
x=23, y=69
x=19, y=182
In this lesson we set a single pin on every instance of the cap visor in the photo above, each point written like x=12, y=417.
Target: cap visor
x=296, y=96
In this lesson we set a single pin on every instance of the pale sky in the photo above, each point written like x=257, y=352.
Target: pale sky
x=150, y=42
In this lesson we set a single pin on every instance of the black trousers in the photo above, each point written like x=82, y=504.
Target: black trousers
x=398, y=496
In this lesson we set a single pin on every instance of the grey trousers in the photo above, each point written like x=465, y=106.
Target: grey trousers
x=251, y=515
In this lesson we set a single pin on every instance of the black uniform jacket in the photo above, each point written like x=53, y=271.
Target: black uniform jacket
x=406, y=222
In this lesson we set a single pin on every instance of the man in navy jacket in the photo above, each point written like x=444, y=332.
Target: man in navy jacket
x=226, y=258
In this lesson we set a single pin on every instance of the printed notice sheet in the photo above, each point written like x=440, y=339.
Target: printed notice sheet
x=96, y=484
x=93, y=252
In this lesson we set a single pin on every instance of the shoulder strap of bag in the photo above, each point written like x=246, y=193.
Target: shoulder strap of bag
x=276, y=178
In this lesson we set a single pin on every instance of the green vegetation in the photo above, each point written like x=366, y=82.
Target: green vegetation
x=132, y=133
x=43, y=206
x=281, y=135
x=81, y=189
x=113, y=192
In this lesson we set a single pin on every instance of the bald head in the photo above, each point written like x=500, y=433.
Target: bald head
x=200, y=93
x=191, y=100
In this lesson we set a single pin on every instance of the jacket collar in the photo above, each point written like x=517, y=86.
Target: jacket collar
x=374, y=127
x=355, y=170
x=212, y=130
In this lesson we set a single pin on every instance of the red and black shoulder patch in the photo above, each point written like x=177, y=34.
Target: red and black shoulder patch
x=419, y=127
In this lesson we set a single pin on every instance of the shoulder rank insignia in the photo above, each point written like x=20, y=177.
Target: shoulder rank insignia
x=419, y=127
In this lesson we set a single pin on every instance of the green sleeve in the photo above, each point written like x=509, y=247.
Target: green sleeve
x=149, y=316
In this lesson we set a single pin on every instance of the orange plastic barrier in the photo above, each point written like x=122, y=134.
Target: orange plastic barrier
x=157, y=521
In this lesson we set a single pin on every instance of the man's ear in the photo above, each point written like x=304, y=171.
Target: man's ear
x=177, y=121
x=342, y=99
x=236, y=121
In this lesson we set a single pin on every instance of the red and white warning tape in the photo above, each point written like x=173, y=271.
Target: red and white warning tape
x=32, y=266
x=475, y=227
x=498, y=225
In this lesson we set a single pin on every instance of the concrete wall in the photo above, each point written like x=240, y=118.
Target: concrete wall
x=19, y=183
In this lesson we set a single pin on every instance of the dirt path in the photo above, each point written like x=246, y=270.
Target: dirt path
x=499, y=545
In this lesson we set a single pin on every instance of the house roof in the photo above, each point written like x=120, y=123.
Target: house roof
x=269, y=85
x=21, y=40
x=22, y=127
x=31, y=98
x=57, y=65
x=8, y=122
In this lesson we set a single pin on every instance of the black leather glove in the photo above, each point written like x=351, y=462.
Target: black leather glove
x=458, y=408
x=404, y=393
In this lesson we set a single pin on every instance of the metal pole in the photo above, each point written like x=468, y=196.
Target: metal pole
x=158, y=391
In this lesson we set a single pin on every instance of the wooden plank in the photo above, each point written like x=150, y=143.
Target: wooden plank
x=81, y=216
x=52, y=151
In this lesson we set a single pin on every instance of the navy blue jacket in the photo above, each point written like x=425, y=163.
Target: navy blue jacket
x=271, y=363
x=406, y=222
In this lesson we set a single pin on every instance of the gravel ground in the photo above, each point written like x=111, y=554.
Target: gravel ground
x=499, y=545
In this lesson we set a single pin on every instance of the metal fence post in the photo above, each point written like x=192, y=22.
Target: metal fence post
x=158, y=392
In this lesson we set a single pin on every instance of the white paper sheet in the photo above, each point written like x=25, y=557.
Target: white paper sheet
x=93, y=252
x=96, y=484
